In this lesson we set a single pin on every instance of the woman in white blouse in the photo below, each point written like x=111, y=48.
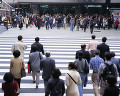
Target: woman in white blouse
x=72, y=89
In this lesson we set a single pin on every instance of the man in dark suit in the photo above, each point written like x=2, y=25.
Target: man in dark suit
x=86, y=53
x=103, y=47
x=39, y=46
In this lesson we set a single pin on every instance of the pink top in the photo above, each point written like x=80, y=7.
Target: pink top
x=92, y=45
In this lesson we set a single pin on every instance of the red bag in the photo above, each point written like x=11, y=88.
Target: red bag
x=29, y=69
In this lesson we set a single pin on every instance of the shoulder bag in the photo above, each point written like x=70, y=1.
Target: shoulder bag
x=78, y=85
x=86, y=68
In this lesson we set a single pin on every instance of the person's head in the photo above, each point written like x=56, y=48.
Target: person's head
x=20, y=37
x=37, y=39
x=34, y=48
x=72, y=65
x=108, y=56
x=112, y=54
x=16, y=53
x=47, y=53
x=83, y=46
x=97, y=52
x=8, y=77
x=111, y=80
x=80, y=55
x=93, y=36
x=104, y=39
x=56, y=73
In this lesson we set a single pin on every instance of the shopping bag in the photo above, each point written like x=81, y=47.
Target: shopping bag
x=29, y=69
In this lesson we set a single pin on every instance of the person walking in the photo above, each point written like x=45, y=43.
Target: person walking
x=34, y=61
x=20, y=45
x=105, y=69
x=94, y=65
x=26, y=20
x=80, y=62
x=72, y=22
x=55, y=86
x=10, y=87
x=15, y=66
x=91, y=26
x=72, y=88
x=92, y=45
x=39, y=46
x=47, y=65
x=116, y=23
x=103, y=47
x=6, y=21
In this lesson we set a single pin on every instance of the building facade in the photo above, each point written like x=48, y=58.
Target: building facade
x=39, y=7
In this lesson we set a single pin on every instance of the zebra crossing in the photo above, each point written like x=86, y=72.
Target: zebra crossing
x=62, y=50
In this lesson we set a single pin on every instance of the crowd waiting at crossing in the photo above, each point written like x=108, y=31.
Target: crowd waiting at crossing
x=75, y=22
x=95, y=56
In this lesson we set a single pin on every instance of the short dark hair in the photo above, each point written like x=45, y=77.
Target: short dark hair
x=80, y=55
x=97, y=52
x=93, y=36
x=112, y=54
x=108, y=55
x=16, y=53
x=83, y=46
x=111, y=79
x=47, y=53
x=56, y=73
x=20, y=37
x=104, y=39
x=37, y=39
x=8, y=77
x=72, y=65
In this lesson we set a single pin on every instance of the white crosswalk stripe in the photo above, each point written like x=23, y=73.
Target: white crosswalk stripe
x=62, y=50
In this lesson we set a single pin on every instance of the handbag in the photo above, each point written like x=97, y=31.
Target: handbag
x=78, y=85
x=29, y=68
x=86, y=68
x=23, y=73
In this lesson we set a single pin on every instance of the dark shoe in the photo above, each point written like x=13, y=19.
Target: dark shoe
x=18, y=94
x=33, y=81
x=36, y=87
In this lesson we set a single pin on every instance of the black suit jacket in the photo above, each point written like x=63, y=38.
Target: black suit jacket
x=103, y=48
x=40, y=47
x=86, y=55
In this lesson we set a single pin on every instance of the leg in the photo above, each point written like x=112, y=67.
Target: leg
x=95, y=83
x=18, y=81
x=37, y=78
x=33, y=75
x=45, y=84
x=101, y=91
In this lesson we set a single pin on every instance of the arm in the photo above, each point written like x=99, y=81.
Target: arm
x=67, y=80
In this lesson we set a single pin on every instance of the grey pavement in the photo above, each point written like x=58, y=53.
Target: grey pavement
x=62, y=43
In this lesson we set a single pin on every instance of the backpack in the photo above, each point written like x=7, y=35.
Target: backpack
x=86, y=68
x=108, y=70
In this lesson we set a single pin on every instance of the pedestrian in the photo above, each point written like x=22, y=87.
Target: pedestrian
x=92, y=46
x=34, y=61
x=94, y=65
x=19, y=45
x=91, y=26
x=6, y=21
x=39, y=46
x=81, y=62
x=85, y=23
x=72, y=88
x=103, y=47
x=10, y=87
x=105, y=69
x=111, y=89
x=39, y=22
x=72, y=22
x=15, y=66
x=47, y=65
x=26, y=20
x=116, y=23
x=20, y=22
x=115, y=61
x=55, y=86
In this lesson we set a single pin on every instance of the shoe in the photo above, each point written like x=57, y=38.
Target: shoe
x=33, y=81
x=18, y=94
x=36, y=87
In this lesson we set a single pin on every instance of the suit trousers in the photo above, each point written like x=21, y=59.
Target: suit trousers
x=95, y=83
x=36, y=75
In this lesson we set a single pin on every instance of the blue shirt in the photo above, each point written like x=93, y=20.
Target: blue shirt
x=116, y=62
x=95, y=62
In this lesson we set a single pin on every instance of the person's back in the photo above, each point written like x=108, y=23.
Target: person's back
x=111, y=89
x=39, y=46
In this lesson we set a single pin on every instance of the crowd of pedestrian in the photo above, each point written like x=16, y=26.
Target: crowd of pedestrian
x=75, y=22
x=95, y=56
